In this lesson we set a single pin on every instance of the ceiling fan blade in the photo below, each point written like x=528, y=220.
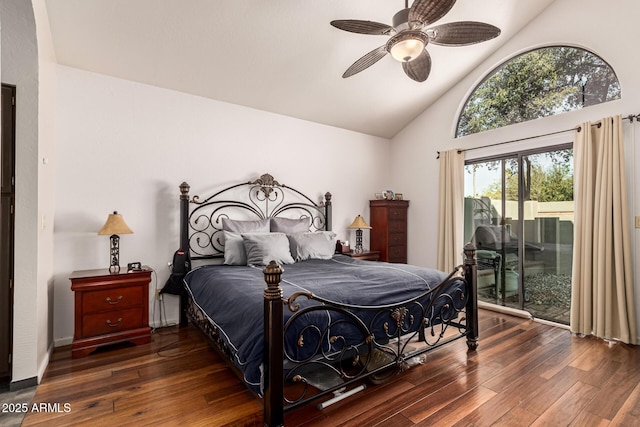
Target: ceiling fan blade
x=429, y=11
x=462, y=33
x=419, y=68
x=366, y=61
x=363, y=27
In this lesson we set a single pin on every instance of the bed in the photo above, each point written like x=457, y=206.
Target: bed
x=296, y=321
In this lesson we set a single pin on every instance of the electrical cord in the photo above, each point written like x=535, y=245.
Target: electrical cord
x=159, y=303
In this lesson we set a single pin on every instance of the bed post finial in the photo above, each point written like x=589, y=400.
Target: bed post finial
x=327, y=211
x=274, y=346
x=470, y=274
x=184, y=191
x=273, y=276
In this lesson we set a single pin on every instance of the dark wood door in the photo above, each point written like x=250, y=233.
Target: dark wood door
x=7, y=173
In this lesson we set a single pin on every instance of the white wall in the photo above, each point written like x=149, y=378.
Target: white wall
x=20, y=68
x=47, y=84
x=571, y=22
x=126, y=146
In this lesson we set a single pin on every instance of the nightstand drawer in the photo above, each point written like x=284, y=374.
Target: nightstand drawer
x=111, y=299
x=111, y=322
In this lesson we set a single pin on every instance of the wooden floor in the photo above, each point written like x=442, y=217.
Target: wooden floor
x=523, y=373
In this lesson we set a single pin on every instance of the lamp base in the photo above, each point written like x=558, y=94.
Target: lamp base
x=358, y=249
x=114, y=254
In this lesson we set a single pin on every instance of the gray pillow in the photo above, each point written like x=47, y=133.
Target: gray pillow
x=262, y=248
x=234, y=252
x=256, y=226
x=318, y=245
x=290, y=226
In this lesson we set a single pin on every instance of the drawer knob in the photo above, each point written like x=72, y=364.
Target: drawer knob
x=108, y=299
x=117, y=323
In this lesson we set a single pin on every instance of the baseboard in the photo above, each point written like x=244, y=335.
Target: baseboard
x=60, y=342
x=45, y=363
x=505, y=310
x=164, y=323
x=22, y=384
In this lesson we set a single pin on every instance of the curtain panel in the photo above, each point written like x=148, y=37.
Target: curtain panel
x=602, y=277
x=450, y=210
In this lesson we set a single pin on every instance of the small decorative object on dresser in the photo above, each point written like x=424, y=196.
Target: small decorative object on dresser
x=110, y=307
x=389, y=233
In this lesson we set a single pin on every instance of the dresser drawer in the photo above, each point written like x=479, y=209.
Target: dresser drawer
x=112, y=299
x=112, y=322
x=398, y=239
x=397, y=254
x=397, y=227
x=398, y=214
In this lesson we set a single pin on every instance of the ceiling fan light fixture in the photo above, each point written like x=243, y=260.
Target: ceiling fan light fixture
x=407, y=45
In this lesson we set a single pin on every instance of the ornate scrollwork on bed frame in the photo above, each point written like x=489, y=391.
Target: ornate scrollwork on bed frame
x=262, y=198
x=393, y=335
x=411, y=328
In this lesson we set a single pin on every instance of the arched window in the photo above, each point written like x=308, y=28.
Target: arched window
x=538, y=83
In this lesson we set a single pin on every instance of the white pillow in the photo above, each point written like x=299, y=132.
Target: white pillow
x=317, y=245
x=256, y=226
x=263, y=248
x=234, y=252
x=290, y=226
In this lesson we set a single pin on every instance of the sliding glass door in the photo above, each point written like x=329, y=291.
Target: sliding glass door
x=519, y=214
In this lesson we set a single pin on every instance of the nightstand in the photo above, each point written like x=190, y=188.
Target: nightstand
x=367, y=255
x=109, y=308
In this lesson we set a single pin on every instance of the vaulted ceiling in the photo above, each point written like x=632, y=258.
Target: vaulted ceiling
x=280, y=56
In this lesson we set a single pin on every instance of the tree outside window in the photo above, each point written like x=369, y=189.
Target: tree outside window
x=538, y=83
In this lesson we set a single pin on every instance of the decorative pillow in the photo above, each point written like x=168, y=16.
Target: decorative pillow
x=234, y=252
x=262, y=248
x=318, y=245
x=290, y=226
x=257, y=226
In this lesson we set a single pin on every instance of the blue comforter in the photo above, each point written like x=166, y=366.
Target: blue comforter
x=232, y=298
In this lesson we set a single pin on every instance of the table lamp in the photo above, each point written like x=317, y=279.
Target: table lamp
x=358, y=224
x=114, y=226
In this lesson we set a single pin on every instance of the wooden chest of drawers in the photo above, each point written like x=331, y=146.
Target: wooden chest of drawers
x=109, y=308
x=389, y=229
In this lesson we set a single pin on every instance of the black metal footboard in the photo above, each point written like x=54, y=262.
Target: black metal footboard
x=357, y=342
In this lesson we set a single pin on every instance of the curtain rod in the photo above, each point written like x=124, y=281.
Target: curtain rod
x=630, y=117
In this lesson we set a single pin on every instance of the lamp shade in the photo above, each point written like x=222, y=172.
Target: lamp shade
x=115, y=225
x=359, y=223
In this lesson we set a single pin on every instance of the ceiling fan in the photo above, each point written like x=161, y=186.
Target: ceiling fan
x=409, y=36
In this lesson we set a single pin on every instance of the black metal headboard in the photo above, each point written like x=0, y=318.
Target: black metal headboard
x=201, y=220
